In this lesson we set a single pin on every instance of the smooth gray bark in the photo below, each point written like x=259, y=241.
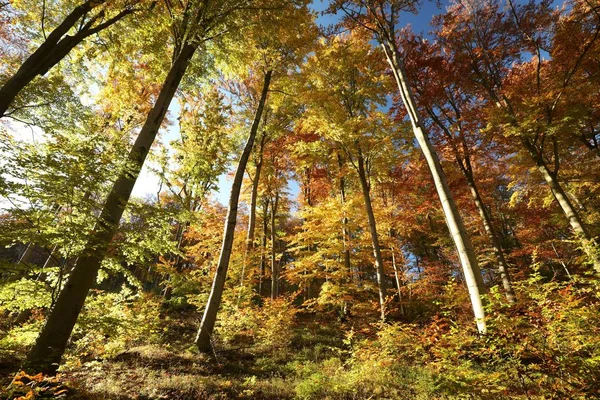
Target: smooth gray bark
x=493, y=238
x=263, y=247
x=398, y=280
x=345, y=232
x=588, y=244
x=274, y=269
x=250, y=235
x=464, y=163
x=214, y=300
x=459, y=234
x=254, y=196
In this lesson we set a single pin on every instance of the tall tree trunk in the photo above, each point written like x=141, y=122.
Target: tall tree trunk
x=454, y=221
x=464, y=163
x=252, y=216
x=373, y=229
x=46, y=353
x=589, y=246
x=263, y=247
x=214, y=300
x=254, y=196
x=398, y=280
x=345, y=233
x=493, y=238
x=274, y=271
x=56, y=46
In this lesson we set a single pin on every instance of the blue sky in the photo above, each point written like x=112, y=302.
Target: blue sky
x=419, y=22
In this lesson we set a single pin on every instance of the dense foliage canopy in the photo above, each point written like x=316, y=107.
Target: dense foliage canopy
x=226, y=199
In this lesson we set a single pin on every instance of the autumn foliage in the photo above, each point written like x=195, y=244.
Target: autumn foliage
x=412, y=215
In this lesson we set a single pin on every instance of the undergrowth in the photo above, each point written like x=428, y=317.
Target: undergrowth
x=545, y=347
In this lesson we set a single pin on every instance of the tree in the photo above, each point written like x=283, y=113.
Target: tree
x=380, y=18
x=277, y=51
x=189, y=32
x=344, y=101
x=203, y=338
x=502, y=40
x=87, y=18
x=456, y=116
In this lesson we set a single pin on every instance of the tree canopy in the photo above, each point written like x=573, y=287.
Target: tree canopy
x=227, y=199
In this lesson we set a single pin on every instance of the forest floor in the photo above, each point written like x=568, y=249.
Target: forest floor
x=237, y=370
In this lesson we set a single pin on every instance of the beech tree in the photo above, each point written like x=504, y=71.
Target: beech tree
x=345, y=101
x=454, y=115
x=188, y=33
x=86, y=19
x=503, y=38
x=380, y=18
x=331, y=272
x=277, y=52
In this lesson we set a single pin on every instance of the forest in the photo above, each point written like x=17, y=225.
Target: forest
x=288, y=199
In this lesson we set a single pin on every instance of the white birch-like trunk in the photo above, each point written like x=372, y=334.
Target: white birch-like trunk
x=454, y=221
x=588, y=245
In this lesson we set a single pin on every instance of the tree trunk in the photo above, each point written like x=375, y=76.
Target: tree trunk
x=274, y=272
x=254, y=197
x=263, y=248
x=398, y=280
x=56, y=46
x=454, y=221
x=46, y=353
x=493, y=238
x=27, y=254
x=374, y=237
x=252, y=216
x=589, y=246
x=345, y=233
x=214, y=300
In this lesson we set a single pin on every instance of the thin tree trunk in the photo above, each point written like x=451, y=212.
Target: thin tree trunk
x=345, y=233
x=454, y=221
x=56, y=46
x=398, y=280
x=254, y=197
x=493, y=238
x=274, y=272
x=214, y=300
x=374, y=237
x=252, y=217
x=589, y=246
x=46, y=353
x=263, y=248
x=465, y=166
x=24, y=315
x=27, y=254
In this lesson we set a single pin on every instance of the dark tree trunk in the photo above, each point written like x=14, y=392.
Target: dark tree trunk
x=46, y=353
x=362, y=174
x=214, y=300
x=56, y=46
